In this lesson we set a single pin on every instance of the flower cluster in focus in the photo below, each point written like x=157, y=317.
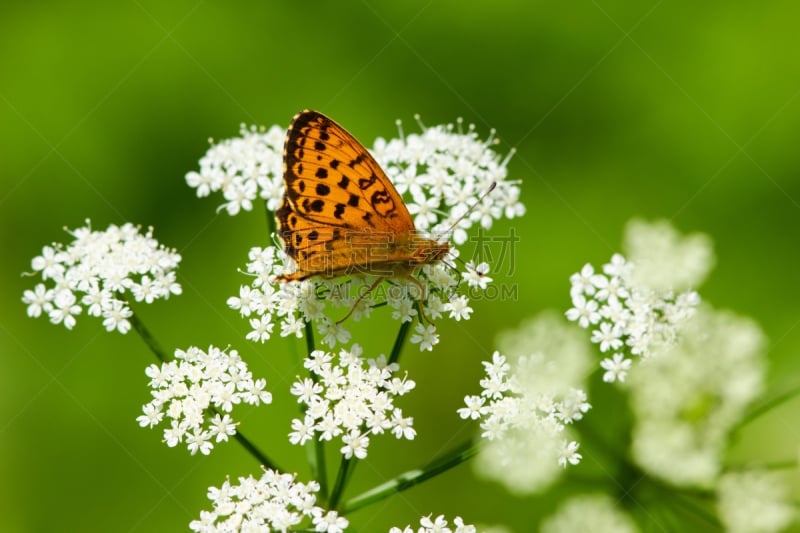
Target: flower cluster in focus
x=437, y=525
x=274, y=502
x=100, y=271
x=351, y=398
x=637, y=307
x=187, y=388
x=440, y=173
x=243, y=168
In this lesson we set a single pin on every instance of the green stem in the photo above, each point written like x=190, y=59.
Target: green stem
x=310, y=340
x=271, y=227
x=315, y=451
x=254, y=451
x=345, y=470
x=777, y=465
x=148, y=338
x=764, y=406
x=406, y=480
x=399, y=342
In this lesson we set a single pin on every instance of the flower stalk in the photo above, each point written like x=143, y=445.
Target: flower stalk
x=411, y=478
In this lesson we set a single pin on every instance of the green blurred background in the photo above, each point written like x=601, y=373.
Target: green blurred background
x=661, y=109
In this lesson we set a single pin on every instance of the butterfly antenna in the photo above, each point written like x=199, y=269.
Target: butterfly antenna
x=471, y=208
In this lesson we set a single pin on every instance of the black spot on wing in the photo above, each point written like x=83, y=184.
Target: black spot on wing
x=339, y=211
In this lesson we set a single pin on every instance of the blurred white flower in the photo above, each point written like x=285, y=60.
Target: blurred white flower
x=274, y=502
x=350, y=398
x=597, y=513
x=666, y=260
x=686, y=402
x=185, y=389
x=100, y=271
x=437, y=525
x=527, y=401
x=754, y=502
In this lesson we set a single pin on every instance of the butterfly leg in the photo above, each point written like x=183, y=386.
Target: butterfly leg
x=360, y=298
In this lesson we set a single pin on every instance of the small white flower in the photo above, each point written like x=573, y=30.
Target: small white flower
x=425, y=336
x=616, y=368
x=584, y=311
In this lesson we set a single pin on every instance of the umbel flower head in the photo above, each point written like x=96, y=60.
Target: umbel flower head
x=350, y=398
x=100, y=271
x=244, y=168
x=440, y=173
x=686, y=402
x=526, y=403
x=187, y=388
x=633, y=306
x=274, y=502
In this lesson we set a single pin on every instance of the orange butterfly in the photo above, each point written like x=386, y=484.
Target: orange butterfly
x=340, y=213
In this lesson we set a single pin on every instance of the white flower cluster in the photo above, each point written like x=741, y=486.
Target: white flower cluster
x=352, y=398
x=686, y=402
x=638, y=305
x=441, y=172
x=437, y=525
x=243, y=168
x=666, y=260
x=597, y=513
x=275, y=502
x=185, y=389
x=293, y=304
x=625, y=314
x=757, y=501
x=100, y=271
x=527, y=401
x=506, y=405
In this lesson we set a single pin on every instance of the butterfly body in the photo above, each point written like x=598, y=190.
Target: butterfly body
x=340, y=213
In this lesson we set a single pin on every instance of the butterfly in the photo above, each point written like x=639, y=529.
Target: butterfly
x=340, y=213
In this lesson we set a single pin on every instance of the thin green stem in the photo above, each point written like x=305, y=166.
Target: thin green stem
x=309, y=338
x=148, y=338
x=315, y=450
x=408, y=479
x=399, y=342
x=777, y=465
x=345, y=470
x=254, y=451
x=764, y=406
x=271, y=227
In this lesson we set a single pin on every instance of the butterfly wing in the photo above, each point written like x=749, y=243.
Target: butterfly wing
x=339, y=207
